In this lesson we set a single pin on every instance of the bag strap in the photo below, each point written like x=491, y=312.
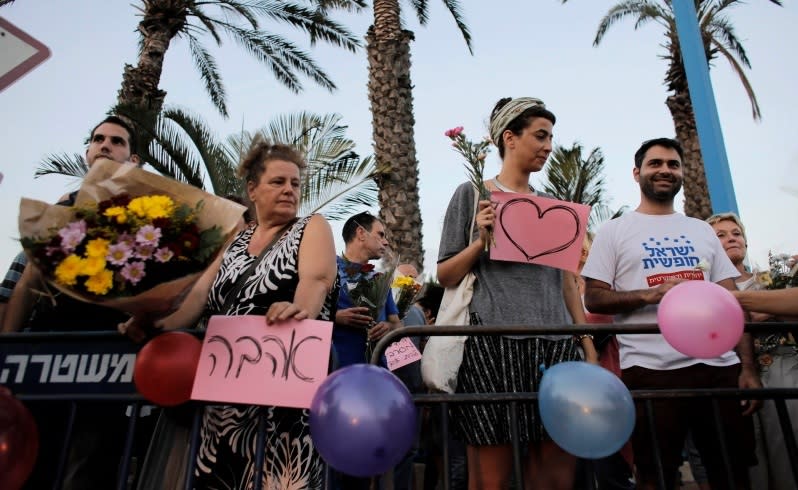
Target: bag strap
x=474, y=216
x=233, y=294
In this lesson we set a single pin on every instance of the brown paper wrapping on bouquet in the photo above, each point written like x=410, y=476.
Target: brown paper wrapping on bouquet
x=107, y=179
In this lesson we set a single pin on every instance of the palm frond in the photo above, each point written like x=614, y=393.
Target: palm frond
x=453, y=6
x=69, y=165
x=314, y=22
x=237, y=8
x=318, y=26
x=421, y=8
x=208, y=24
x=342, y=186
x=739, y=70
x=570, y=177
x=209, y=72
x=722, y=32
x=644, y=10
x=207, y=151
x=172, y=154
x=345, y=5
x=282, y=57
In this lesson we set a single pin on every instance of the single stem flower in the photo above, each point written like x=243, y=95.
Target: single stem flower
x=475, y=155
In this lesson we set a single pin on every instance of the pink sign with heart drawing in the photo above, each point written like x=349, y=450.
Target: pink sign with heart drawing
x=538, y=230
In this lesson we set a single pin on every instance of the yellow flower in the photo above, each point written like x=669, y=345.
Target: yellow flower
x=97, y=247
x=117, y=212
x=68, y=270
x=101, y=282
x=92, y=266
x=403, y=281
x=764, y=278
x=152, y=207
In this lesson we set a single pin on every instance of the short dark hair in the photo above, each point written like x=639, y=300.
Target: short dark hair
x=132, y=138
x=431, y=298
x=521, y=121
x=665, y=142
x=364, y=220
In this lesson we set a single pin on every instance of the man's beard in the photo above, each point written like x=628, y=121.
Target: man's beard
x=647, y=187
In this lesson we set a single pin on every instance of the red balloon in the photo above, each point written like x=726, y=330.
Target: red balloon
x=165, y=368
x=19, y=442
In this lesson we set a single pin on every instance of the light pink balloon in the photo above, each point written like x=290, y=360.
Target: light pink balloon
x=700, y=319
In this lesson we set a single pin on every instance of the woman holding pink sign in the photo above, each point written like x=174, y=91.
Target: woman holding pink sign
x=280, y=267
x=509, y=293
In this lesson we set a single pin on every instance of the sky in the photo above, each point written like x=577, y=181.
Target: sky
x=611, y=96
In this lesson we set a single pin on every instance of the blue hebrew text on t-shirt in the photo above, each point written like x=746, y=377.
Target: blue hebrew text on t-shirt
x=669, y=252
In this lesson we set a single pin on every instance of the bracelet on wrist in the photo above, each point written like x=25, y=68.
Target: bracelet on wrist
x=584, y=336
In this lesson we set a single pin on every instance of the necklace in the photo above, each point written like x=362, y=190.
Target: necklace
x=505, y=189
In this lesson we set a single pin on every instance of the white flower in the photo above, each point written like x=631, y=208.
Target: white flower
x=703, y=265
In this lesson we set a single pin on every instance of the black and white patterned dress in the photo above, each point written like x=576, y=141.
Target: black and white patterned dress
x=229, y=433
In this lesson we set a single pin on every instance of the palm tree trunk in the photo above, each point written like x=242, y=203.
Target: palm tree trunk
x=696, y=193
x=139, y=97
x=391, y=99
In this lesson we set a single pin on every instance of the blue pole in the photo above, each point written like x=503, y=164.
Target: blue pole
x=710, y=136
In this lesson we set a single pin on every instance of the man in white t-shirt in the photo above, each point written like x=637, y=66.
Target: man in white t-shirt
x=634, y=261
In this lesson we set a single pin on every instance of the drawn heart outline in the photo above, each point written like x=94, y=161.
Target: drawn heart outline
x=558, y=248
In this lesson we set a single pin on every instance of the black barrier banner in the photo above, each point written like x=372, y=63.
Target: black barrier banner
x=75, y=365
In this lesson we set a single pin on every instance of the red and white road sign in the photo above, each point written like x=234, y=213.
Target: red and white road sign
x=19, y=53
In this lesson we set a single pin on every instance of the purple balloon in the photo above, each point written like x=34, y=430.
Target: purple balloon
x=362, y=420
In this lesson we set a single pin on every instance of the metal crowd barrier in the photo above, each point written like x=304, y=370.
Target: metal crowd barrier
x=81, y=367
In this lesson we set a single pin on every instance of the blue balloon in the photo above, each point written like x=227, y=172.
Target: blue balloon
x=362, y=420
x=586, y=409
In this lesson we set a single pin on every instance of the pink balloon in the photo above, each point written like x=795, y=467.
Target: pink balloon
x=700, y=319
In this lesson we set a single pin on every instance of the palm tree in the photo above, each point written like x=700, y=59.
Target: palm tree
x=164, y=20
x=183, y=147
x=391, y=98
x=721, y=40
x=569, y=176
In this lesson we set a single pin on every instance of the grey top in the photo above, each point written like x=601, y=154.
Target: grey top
x=505, y=293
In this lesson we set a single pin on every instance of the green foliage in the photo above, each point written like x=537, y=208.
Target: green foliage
x=209, y=242
x=569, y=176
x=243, y=22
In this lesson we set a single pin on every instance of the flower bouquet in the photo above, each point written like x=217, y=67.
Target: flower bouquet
x=474, y=154
x=134, y=240
x=371, y=291
x=405, y=292
x=782, y=273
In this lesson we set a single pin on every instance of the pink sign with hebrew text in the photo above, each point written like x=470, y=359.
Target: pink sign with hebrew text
x=243, y=360
x=538, y=230
x=401, y=353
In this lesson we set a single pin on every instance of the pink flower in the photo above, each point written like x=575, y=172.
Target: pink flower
x=127, y=238
x=118, y=253
x=145, y=251
x=148, y=235
x=133, y=272
x=454, y=132
x=71, y=235
x=163, y=255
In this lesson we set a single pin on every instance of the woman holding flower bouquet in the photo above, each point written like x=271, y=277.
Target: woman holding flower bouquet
x=283, y=268
x=508, y=293
x=777, y=354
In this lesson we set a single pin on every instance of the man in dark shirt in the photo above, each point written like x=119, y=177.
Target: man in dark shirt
x=99, y=430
